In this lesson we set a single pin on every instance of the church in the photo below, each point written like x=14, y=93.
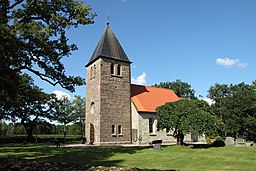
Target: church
x=118, y=112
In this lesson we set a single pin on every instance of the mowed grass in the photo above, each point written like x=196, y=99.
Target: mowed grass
x=169, y=157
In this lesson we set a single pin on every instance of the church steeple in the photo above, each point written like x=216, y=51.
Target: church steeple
x=108, y=47
x=108, y=93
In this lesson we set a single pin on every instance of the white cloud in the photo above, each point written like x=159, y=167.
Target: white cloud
x=61, y=94
x=230, y=62
x=141, y=79
x=209, y=101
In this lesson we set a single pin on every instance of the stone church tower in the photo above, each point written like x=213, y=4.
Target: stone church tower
x=108, y=93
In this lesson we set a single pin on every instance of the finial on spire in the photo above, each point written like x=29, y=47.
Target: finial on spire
x=108, y=18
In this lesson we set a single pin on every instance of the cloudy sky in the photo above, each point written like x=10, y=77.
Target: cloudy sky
x=200, y=42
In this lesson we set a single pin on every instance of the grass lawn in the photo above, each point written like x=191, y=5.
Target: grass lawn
x=170, y=157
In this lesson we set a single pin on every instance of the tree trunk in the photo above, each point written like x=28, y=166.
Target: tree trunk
x=180, y=139
x=65, y=132
x=29, y=127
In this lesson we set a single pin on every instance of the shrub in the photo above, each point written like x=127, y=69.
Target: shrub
x=208, y=140
x=218, y=138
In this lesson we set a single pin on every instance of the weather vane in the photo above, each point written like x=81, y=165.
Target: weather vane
x=108, y=16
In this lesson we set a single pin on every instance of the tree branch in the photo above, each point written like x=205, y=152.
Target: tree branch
x=42, y=76
x=16, y=3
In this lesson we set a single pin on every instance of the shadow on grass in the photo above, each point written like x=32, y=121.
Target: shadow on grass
x=91, y=156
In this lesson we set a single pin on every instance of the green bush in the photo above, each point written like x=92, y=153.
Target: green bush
x=208, y=140
x=218, y=138
x=213, y=138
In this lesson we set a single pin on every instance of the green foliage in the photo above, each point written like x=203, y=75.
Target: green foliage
x=184, y=116
x=235, y=105
x=29, y=106
x=66, y=112
x=212, y=138
x=218, y=138
x=33, y=38
x=181, y=89
x=208, y=140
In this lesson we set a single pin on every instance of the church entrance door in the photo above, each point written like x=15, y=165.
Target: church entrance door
x=91, y=133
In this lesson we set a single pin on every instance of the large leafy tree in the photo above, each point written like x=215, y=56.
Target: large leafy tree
x=30, y=106
x=235, y=105
x=185, y=116
x=33, y=38
x=181, y=89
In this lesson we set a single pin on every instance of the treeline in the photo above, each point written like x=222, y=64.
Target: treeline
x=47, y=128
x=43, y=133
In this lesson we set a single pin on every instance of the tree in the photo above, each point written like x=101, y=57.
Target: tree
x=29, y=106
x=181, y=89
x=185, y=116
x=79, y=109
x=33, y=38
x=235, y=105
x=64, y=113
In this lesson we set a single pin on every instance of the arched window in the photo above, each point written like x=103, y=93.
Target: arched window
x=151, y=125
x=112, y=69
x=91, y=73
x=94, y=71
x=92, y=108
x=118, y=69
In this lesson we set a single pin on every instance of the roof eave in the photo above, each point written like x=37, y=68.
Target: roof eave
x=108, y=57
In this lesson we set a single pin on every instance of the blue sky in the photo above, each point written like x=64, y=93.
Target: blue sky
x=201, y=42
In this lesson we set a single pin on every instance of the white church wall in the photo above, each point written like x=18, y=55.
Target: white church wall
x=146, y=136
x=141, y=134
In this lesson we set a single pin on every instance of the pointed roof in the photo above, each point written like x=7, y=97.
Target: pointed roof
x=147, y=98
x=108, y=47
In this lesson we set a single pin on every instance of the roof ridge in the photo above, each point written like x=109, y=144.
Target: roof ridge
x=153, y=87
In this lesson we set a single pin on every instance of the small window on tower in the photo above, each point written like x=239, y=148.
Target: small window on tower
x=94, y=71
x=112, y=69
x=113, y=130
x=119, y=130
x=91, y=73
x=92, y=108
x=118, y=69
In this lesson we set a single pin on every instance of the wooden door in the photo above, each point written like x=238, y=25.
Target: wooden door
x=91, y=133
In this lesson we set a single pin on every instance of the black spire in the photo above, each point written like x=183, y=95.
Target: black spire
x=108, y=47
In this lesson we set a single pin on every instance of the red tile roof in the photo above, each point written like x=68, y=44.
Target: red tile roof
x=147, y=98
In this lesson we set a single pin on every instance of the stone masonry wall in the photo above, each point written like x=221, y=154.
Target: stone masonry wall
x=93, y=96
x=115, y=103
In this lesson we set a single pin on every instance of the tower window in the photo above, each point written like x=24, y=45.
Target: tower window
x=119, y=130
x=118, y=69
x=94, y=71
x=92, y=108
x=150, y=125
x=91, y=72
x=112, y=69
x=113, y=130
